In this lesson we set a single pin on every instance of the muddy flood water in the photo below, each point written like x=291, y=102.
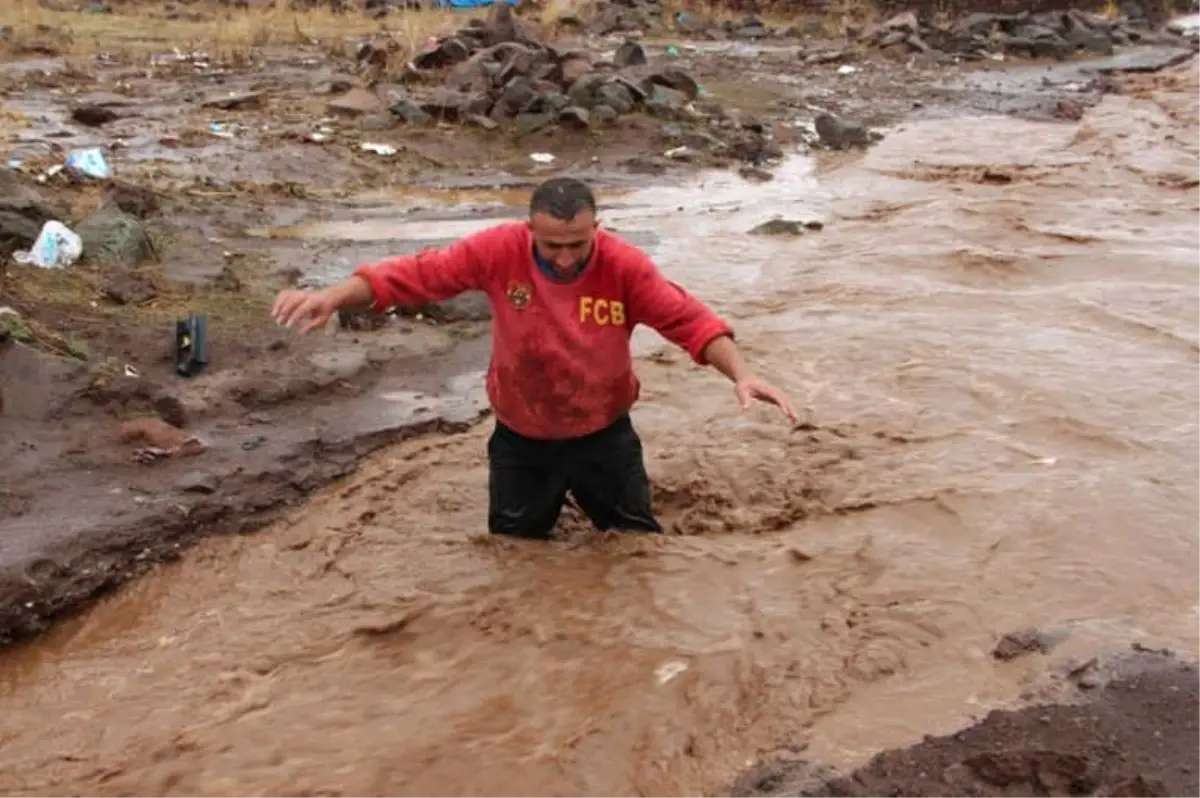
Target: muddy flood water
x=994, y=345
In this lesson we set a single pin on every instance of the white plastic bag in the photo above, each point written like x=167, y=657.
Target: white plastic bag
x=56, y=246
x=89, y=163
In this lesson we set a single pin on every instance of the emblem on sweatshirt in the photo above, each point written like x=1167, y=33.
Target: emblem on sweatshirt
x=519, y=294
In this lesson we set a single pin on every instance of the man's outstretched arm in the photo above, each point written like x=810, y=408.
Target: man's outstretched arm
x=690, y=324
x=407, y=280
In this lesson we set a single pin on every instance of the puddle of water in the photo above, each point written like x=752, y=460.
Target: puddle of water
x=1001, y=385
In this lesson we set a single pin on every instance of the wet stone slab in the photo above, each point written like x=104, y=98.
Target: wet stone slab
x=1142, y=59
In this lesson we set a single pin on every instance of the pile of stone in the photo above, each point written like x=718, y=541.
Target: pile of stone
x=1049, y=34
x=493, y=73
x=639, y=17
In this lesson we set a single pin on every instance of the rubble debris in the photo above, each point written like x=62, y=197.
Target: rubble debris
x=494, y=73
x=1046, y=34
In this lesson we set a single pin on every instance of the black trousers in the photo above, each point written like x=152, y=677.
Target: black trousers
x=528, y=481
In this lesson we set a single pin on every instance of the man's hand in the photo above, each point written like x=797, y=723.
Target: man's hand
x=316, y=307
x=751, y=388
x=293, y=307
x=722, y=353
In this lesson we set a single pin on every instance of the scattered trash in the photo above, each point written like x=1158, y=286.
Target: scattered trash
x=150, y=454
x=14, y=163
x=669, y=670
x=541, y=157
x=319, y=137
x=673, y=51
x=49, y=173
x=89, y=163
x=379, y=149
x=191, y=345
x=681, y=153
x=220, y=130
x=847, y=69
x=1186, y=26
x=56, y=246
x=130, y=371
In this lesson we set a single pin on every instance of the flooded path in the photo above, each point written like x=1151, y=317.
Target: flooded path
x=994, y=343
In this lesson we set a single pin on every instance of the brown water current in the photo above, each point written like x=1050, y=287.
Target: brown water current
x=994, y=345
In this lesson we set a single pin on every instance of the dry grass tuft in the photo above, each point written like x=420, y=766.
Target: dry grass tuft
x=220, y=32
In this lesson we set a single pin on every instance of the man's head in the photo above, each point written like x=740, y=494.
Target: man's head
x=562, y=218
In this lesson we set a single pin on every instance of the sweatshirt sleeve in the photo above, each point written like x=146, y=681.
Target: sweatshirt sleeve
x=432, y=274
x=665, y=306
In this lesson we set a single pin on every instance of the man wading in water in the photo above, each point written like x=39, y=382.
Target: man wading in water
x=565, y=298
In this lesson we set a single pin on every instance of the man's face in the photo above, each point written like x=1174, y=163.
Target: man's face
x=564, y=244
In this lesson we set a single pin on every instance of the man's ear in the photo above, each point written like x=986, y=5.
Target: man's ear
x=596, y=224
x=529, y=223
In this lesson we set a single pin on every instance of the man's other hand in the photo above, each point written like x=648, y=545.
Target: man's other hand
x=313, y=308
x=752, y=388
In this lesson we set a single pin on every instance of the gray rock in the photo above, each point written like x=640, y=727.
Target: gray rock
x=575, y=68
x=453, y=106
x=584, y=92
x=409, y=112
x=1028, y=641
x=675, y=79
x=779, y=227
x=617, y=96
x=447, y=52
x=356, y=102
x=481, y=121
x=1147, y=59
x=604, y=115
x=237, y=100
x=755, y=30
x=520, y=63
x=113, y=237
x=17, y=231
x=531, y=123
x=199, y=483
x=574, y=118
x=666, y=103
x=129, y=288
x=629, y=54
x=548, y=101
x=840, y=134
x=517, y=95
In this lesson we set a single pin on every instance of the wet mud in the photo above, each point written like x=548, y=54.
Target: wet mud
x=988, y=318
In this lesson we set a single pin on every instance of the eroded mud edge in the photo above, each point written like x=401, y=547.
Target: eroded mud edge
x=77, y=569
x=1124, y=725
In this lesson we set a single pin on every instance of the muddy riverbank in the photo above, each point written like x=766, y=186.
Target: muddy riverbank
x=992, y=335
x=1130, y=731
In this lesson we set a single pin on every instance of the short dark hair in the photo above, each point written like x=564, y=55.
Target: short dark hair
x=563, y=198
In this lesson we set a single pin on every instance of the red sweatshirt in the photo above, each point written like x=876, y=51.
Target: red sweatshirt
x=561, y=364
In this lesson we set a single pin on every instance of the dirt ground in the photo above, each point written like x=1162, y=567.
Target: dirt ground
x=237, y=178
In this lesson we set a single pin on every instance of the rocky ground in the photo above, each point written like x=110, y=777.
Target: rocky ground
x=115, y=461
